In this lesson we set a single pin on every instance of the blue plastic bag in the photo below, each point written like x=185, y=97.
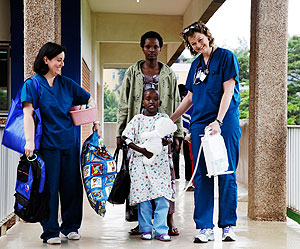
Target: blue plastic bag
x=14, y=136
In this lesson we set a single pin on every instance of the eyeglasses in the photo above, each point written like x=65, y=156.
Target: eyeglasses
x=188, y=29
x=152, y=85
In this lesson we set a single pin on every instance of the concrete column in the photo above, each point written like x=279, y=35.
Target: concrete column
x=268, y=110
x=42, y=23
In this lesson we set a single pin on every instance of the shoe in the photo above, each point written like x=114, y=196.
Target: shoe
x=146, y=236
x=54, y=240
x=163, y=237
x=204, y=235
x=228, y=234
x=73, y=236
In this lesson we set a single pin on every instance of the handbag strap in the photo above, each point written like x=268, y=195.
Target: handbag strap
x=124, y=164
x=37, y=87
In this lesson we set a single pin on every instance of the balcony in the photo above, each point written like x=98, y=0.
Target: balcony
x=112, y=230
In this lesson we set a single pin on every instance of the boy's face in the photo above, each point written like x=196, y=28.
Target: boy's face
x=151, y=102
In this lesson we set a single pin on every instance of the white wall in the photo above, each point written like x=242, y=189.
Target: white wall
x=86, y=33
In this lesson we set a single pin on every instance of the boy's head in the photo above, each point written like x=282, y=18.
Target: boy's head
x=151, y=101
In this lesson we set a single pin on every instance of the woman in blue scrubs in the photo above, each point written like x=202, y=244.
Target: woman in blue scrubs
x=60, y=143
x=213, y=91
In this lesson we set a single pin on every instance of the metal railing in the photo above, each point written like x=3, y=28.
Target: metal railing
x=9, y=161
x=293, y=171
x=8, y=165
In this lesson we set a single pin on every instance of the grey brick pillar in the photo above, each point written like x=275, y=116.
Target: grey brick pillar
x=268, y=110
x=42, y=23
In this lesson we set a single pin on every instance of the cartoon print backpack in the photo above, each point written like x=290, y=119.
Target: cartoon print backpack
x=98, y=170
x=31, y=197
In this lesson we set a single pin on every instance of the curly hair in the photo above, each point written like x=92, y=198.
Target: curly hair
x=151, y=34
x=195, y=27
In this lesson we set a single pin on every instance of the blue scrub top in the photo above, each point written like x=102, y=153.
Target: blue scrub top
x=55, y=102
x=207, y=95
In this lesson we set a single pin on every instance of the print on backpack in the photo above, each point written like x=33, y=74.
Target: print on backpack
x=31, y=197
x=99, y=170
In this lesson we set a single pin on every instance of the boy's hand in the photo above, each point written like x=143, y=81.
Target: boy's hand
x=147, y=153
x=166, y=141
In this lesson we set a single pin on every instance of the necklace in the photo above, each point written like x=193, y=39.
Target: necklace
x=202, y=72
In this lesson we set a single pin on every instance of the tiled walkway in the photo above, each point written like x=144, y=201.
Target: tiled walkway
x=112, y=231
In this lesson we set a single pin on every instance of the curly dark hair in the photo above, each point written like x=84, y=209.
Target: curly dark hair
x=151, y=34
x=195, y=27
x=50, y=50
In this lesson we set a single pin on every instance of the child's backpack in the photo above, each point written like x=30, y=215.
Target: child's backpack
x=99, y=170
x=31, y=197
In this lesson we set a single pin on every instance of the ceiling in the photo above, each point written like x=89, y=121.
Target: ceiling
x=154, y=7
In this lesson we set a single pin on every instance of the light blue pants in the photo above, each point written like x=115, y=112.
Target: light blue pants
x=160, y=216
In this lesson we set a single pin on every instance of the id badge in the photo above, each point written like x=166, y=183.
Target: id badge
x=198, y=75
x=202, y=76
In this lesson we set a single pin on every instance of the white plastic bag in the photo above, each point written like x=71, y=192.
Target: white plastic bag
x=215, y=154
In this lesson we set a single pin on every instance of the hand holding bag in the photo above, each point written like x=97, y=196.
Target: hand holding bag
x=121, y=187
x=14, y=136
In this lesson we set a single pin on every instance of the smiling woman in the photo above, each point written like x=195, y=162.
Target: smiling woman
x=213, y=91
x=59, y=145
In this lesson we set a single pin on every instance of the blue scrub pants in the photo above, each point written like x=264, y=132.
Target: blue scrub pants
x=204, y=186
x=160, y=216
x=63, y=180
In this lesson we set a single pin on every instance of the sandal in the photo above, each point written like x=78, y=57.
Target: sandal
x=173, y=232
x=135, y=231
x=163, y=237
x=190, y=189
x=146, y=236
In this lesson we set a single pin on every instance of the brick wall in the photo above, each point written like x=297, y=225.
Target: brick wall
x=86, y=129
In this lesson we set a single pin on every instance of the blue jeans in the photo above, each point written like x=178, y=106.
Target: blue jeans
x=160, y=216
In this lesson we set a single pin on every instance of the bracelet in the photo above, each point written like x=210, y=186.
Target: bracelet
x=219, y=122
x=96, y=122
x=128, y=141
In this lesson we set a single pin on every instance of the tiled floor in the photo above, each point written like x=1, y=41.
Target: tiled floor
x=112, y=231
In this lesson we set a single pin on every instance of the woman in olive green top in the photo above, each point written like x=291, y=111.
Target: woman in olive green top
x=145, y=74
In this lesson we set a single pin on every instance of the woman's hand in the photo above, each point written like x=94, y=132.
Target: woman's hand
x=29, y=148
x=146, y=153
x=175, y=144
x=29, y=128
x=215, y=127
x=120, y=142
x=96, y=127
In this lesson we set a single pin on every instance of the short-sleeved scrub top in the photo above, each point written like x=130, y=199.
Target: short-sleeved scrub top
x=208, y=93
x=54, y=103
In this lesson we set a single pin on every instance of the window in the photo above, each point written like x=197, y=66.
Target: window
x=113, y=75
x=113, y=79
x=4, y=79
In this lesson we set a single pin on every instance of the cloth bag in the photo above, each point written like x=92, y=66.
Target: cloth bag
x=121, y=188
x=14, y=136
x=98, y=170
